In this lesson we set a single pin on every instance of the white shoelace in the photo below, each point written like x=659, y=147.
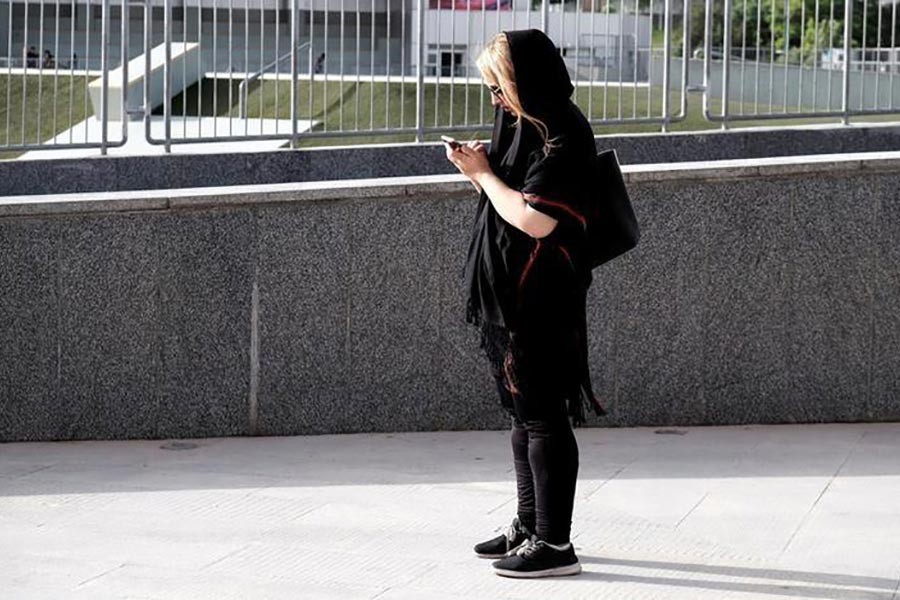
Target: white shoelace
x=531, y=546
x=510, y=534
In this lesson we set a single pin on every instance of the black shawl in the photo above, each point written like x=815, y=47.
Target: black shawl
x=502, y=259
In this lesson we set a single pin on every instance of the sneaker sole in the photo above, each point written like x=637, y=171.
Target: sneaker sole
x=573, y=569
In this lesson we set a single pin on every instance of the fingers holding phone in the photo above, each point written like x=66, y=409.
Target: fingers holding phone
x=450, y=142
x=453, y=145
x=450, y=145
x=454, y=150
x=470, y=158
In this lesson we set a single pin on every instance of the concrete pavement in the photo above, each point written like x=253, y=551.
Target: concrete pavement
x=777, y=511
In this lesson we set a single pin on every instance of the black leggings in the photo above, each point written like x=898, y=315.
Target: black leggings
x=545, y=455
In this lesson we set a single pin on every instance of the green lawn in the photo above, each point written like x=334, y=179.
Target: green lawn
x=43, y=100
x=354, y=105
x=348, y=106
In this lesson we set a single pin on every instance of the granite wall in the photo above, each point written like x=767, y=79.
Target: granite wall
x=757, y=295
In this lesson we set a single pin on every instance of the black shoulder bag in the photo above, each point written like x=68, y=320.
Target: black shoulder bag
x=612, y=228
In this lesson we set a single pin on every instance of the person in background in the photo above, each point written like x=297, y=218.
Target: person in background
x=31, y=56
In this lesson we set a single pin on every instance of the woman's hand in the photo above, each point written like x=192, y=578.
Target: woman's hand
x=477, y=146
x=471, y=160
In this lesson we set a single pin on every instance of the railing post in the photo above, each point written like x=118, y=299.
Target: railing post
x=167, y=75
x=294, y=73
x=707, y=50
x=242, y=96
x=148, y=23
x=420, y=73
x=685, y=57
x=545, y=14
x=726, y=60
x=104, y=81
x=667, y=56
x=125, y=53
x=848, y=31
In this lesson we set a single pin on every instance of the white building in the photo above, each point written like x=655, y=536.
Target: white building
x=355, y=36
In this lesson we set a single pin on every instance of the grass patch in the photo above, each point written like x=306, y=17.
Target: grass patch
x=366, y=107
x=34, y=109
x=351, y=106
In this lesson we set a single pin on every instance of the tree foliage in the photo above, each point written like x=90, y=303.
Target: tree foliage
x=795, y=25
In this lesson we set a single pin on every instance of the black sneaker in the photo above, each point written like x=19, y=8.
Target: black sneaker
x=504, y=545
x=537, y=558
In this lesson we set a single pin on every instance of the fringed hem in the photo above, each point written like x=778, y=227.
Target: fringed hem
x=472, y=315
x=581, y=400
x=496, y=341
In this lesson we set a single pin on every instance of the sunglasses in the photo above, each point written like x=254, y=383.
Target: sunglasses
x=495, y=90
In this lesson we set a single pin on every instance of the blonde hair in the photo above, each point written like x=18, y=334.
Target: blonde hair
x=495, y=64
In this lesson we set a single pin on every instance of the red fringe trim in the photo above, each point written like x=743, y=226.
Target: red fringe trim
x=540, y=199
x=531, y=258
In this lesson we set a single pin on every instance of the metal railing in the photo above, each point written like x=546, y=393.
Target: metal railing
x=245, y=84
x=50, y=102
x=813, y=59
x=371, y=68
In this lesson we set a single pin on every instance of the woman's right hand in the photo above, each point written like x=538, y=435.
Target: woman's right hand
x=475, y=145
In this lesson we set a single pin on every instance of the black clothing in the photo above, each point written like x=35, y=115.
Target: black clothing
x=527, y=295
x=545, y=457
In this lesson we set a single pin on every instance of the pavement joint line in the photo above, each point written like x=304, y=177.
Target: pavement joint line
x=822, y=493
x=718, y=483
x=613, y=476
x=224, y=556
x=692, y=509
x=587, y=495
x=309, y=510
x=501, y=505
x=98, y=576
x=384, y=591
x=27, y=473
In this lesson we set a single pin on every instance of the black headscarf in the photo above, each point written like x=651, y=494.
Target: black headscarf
x=498, y=250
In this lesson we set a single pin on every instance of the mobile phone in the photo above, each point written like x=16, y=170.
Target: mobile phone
x=451, y=142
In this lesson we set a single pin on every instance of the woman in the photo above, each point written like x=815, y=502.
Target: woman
x=527, y=276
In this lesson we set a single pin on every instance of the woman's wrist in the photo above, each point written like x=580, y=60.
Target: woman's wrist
x=483, y=177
